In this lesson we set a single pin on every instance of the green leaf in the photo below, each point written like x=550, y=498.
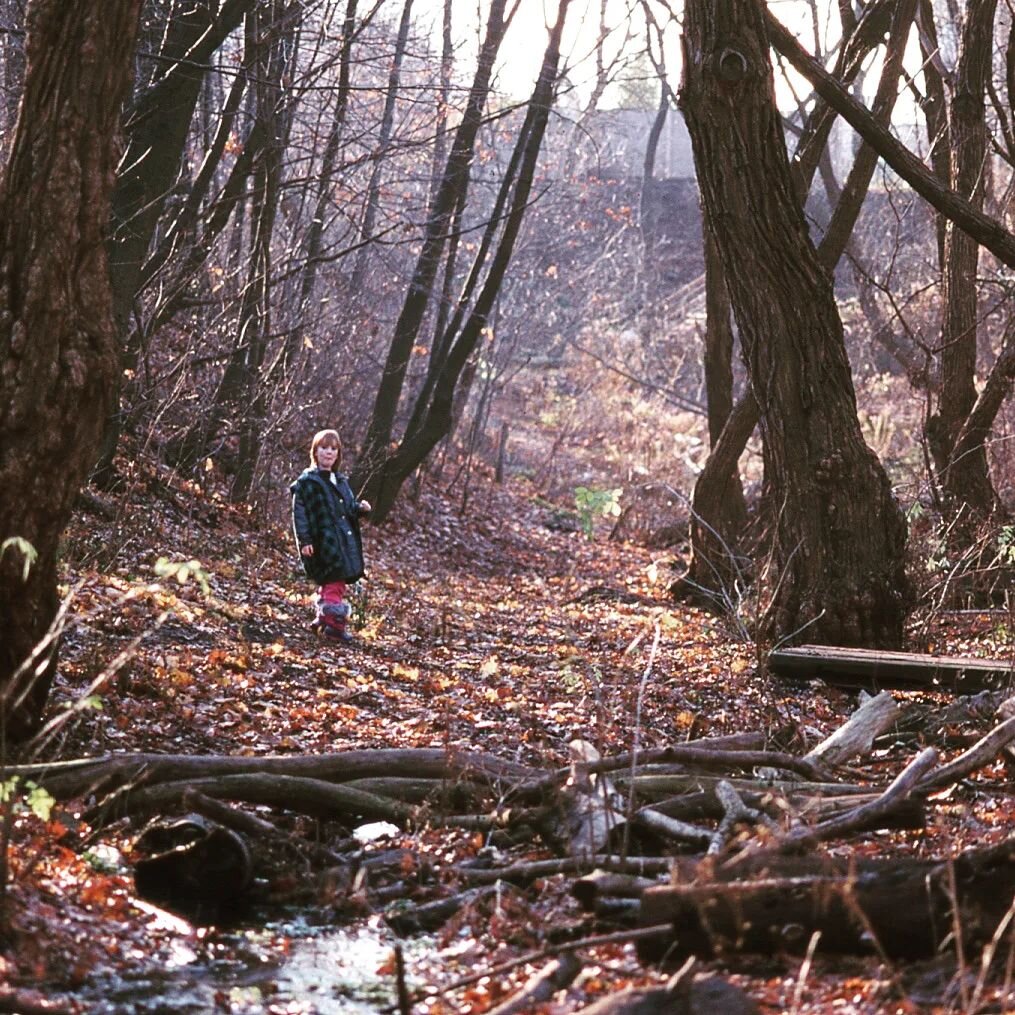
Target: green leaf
x=26, y=550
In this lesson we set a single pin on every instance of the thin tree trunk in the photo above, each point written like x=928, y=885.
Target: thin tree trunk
x=314, y=242
x=383, y=143
x=934, y=107
x=157, y=126
x=420, y=441
x=270, y=26
x=966, y=478
x=850, y=201
x=989, y=232
x=454, y=184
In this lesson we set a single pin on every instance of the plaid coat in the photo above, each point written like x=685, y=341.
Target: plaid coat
x=326, y=516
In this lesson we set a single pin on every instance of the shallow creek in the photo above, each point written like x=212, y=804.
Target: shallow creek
x=287, y=967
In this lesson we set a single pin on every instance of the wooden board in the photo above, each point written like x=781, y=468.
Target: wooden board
x=875, y=669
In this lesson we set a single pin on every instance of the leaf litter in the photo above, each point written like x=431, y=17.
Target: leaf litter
x=493, y=632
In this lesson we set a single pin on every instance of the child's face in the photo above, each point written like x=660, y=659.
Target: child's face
x=327, y=455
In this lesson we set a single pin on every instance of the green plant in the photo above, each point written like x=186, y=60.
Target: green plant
x=26, y=550
x=591, y=502
x=182, y=571
x=359, y=601
x=27, y=796
x=1006, y=545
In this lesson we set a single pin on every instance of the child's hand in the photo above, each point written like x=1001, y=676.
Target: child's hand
x=364, y=507
x=307, y=551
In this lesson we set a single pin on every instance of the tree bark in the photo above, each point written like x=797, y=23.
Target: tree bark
x=839, y=568
x=966, y=476
x=59, y=353
x=157, y=127
x=719, y=570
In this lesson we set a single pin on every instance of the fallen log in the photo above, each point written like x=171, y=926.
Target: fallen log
x=706, y=995
x=430, y=916
x=257, y=828
x=874, y=669
x=542, y=986
x=900, y=909
x=685, y=756
x=857, y=734
x=657, y=783
x=98, y=776
x=601, y=884
x=526, y=873
x=191, y=860
x=309, y=796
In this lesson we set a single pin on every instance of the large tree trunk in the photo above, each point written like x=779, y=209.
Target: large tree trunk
x=718, y=568
x=58, y=345
x=840, y=536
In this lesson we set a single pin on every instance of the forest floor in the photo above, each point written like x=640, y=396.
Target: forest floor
x=499, y=631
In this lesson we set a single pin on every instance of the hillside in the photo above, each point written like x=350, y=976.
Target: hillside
x=506, y=631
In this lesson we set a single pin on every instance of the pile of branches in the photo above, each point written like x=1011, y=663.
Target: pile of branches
x=694, y=850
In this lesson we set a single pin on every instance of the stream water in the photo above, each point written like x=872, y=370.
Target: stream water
x=289, y=967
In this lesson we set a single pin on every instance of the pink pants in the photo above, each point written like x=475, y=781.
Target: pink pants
x=332, y=609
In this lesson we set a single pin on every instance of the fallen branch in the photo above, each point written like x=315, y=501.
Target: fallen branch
x=687, y=755
x=84, y=776
x=432, y=915
x=981, y=753
x=896, y=908
x=869, y=814
x=671, y=828
x=542, y=986
x=309, y=796
x=526, y=873
x=735, y=811
x=855, y=737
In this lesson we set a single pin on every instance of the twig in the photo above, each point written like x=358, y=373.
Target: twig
x=805, y=968
x=636, y=746
x=734, y=810
x=404, y=1004
x=620, y=937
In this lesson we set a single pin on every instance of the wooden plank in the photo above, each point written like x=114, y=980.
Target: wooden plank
x=875, y=669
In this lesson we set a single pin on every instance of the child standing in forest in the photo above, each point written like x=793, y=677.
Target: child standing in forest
x=326, y=517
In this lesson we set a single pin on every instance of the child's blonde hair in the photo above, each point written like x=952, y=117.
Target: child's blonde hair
x=329, y=438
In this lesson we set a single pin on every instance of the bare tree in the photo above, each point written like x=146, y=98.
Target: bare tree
x=454, y=184
x=966, y=478
x=432, y=413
